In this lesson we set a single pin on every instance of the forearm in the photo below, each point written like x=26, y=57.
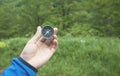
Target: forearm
x=19, y=67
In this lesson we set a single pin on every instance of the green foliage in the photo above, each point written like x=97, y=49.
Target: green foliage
x=75, y=17
x=13, y=49
x=2, y=44
x=83, y=56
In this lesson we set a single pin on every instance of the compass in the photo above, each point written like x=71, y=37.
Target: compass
x=47, y=32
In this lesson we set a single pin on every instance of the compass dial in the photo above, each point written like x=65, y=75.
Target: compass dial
x=47, y=32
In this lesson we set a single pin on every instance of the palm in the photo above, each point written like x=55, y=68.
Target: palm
x=39, y=49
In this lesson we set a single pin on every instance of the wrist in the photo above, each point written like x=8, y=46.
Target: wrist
x=27, y=64
x=34, y=63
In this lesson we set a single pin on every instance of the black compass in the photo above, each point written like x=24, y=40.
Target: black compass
x=47, y=32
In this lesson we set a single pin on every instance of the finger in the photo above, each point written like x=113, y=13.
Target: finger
x=42, y=39
x=37, y=35
x=55, y=42
x=55, y=30
x=55, y=37
x=49, y=41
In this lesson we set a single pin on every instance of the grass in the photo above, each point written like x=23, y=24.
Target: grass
x=83, y=56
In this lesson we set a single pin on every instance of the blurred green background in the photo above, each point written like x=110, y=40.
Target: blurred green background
x=89, y=34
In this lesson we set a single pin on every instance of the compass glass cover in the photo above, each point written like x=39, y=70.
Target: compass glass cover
x=47, y=32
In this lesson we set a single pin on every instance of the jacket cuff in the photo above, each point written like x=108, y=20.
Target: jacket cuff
x=27, y=64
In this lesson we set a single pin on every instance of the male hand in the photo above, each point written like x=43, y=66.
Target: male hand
x=39, y=50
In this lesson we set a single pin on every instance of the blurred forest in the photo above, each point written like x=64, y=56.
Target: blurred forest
x=92, y=26
x=19, y=18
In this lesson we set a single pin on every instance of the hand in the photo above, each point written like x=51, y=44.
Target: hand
x=39, y=50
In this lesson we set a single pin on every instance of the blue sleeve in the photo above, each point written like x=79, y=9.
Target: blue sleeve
x=19, y=67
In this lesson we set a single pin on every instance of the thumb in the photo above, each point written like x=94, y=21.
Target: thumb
x=37, y=35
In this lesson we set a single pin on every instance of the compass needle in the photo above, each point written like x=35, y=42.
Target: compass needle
x=47, y=32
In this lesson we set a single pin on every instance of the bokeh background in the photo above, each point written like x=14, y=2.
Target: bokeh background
x=89, y=34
